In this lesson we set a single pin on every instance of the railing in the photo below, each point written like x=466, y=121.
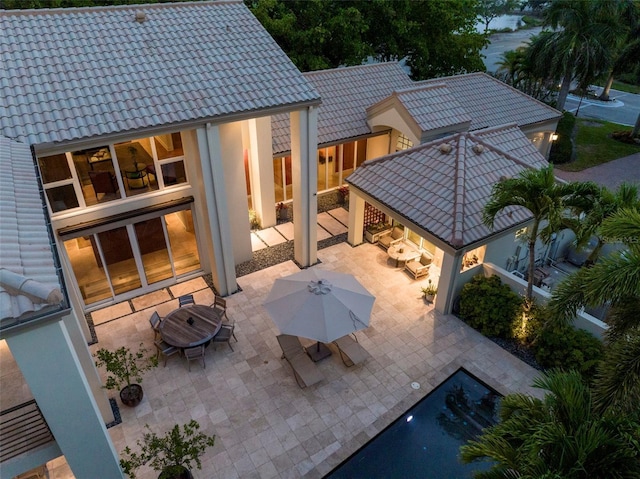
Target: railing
x=22, y=428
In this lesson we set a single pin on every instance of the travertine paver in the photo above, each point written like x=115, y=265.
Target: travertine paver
x=110, y=312
x=266, y=426
x=341, y=215
x=271, y=236
x=331, y=224
x=286, y=230
x=257, y=243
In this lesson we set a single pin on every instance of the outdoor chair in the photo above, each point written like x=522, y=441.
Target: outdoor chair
x=165, y=350
x=225, y=334
x=195, y=353
x=350, y=350
x=305, y=370
x=220, y=306
x=392, y=237
x=155, y=321
x=420, y=267
x=186, y=300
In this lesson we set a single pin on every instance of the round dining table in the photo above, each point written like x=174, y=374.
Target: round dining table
x=190, y=326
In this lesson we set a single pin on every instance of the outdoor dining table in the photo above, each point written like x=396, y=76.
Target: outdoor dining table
x=190, y=326
x=402, y=252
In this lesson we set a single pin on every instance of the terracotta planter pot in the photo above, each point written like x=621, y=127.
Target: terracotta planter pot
x=131, y=395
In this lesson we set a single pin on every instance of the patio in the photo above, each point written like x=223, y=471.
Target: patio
x=266, y=426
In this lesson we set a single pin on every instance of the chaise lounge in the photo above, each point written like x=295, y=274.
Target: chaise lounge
x=350, y=350
x=304, y=369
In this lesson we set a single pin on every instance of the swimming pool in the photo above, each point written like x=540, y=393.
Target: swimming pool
x=425, y=441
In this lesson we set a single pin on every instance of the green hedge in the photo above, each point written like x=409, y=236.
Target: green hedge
x=490, y=306
x=562, y=148
x=568, y=348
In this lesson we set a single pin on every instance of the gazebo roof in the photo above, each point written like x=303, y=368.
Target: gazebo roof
x=443, y=185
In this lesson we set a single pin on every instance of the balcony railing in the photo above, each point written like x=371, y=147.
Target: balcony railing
x=22, y=428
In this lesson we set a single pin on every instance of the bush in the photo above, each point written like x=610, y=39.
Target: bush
x=562, y=148
x=490, y=306
x=568, y=348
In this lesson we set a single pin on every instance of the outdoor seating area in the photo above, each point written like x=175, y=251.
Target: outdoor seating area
x=266, y=425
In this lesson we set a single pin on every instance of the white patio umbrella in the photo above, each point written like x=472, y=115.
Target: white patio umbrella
x=320, y=305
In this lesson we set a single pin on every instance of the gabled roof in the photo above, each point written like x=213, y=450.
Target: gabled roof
x=346, y=94
x=491, y=102
x=443, y=185
x=426, y=109
x=75, y=73
x=28, y=276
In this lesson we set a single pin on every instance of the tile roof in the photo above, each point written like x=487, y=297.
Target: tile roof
x=346, y=94
x=444, y=192
x=28, y=277
x=80, y=72
x=491, y=102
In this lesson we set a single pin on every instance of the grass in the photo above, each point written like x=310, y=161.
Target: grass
x=594, y=147
x=621, y=86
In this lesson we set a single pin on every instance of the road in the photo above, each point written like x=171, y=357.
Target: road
x=623, y=111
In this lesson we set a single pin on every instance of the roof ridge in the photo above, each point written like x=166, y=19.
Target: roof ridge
x=508, y=155
x=416, y=88
x=351, y=67
x=528, y=97
x=107, y=8
x=459, y=194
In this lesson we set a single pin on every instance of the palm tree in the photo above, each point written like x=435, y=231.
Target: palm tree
x=546, y=199
x=602, y=205
x=559, y=436
x=580, y=46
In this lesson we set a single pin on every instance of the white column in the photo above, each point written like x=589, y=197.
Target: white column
x=356, y=219
x=304, y=144
x=263, y=191
x=223, y=269
x=449, y=271
x=50, y=365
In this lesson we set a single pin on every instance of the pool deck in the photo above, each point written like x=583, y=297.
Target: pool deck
x=265, y=425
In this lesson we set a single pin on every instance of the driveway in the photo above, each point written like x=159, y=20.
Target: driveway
x=610, y=174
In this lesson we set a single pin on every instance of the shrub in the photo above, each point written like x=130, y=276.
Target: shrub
x=562, y=148
x=568, y=348
x=490, y=306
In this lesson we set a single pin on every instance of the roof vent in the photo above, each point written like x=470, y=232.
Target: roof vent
x=141, y=17
x=477, y=148
x=445, y=148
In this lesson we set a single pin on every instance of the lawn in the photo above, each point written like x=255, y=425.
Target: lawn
x=594, y=147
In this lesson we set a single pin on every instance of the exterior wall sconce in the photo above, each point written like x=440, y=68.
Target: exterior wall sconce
x=554, y=137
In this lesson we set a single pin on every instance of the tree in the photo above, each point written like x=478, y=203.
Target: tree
x=636, y=129
x=581, y=44
x=487, y=10
x=546, y=199
x=559, y=436
x=602, y=205
x=516, y=70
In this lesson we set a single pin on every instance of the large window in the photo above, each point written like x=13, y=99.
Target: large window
x=111, y=172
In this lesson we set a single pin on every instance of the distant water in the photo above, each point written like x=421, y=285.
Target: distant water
x=503, y=21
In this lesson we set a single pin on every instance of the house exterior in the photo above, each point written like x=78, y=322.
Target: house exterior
x=144, y=134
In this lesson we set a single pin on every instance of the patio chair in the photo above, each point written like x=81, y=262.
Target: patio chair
x=103, y=182
x=186, y=300
x=220, y=306
x=305, y=370
x=225, y=334
x=165, y=350
x=350, y=350
x=392, y=237
x=420, y=267
x=155, y=321
x=193, y=354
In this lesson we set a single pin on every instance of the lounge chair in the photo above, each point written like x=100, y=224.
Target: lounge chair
x=392, y=237
x=304, y=369
x=420, y=267
x=350, y=350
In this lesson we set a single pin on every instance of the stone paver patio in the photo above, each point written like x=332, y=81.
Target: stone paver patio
x=265, y=425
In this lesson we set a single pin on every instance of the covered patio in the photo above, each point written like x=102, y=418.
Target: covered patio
x=267, y=426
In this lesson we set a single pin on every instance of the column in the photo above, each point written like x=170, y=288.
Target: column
x=356, y=219
x=304, y=144
x=451, y=264
x=261, y=170
x=50, y=365
x=223, y=269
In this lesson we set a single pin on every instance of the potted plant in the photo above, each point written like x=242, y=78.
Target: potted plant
x=374, y=231
x=429, y=292
x=171, y=455
x=124, y=366
x=282, y=211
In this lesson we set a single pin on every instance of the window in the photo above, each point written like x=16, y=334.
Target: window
x=403, y=143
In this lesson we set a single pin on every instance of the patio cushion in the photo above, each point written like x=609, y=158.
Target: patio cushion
x=390, y=238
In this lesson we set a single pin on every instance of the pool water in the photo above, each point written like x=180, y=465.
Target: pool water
x=425, y=441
